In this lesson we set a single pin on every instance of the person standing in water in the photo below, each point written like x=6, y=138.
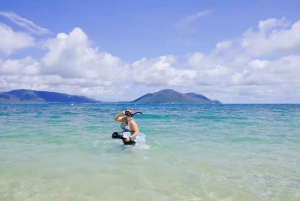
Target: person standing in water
x=128, y=124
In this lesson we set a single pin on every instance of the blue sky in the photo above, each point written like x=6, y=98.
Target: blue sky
x=236, y=52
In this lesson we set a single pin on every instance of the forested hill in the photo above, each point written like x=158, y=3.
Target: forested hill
x=171, y=96
x=32, y=96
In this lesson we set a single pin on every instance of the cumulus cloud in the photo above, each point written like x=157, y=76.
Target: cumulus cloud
x=235, y=65
x=282, y=71
x=29, y=25
x=11, y=41
x=26, y=66
x=258, y=63
x=196, y=60
x=160, y=72
x=273, y=37
x=71, y=56
x=265, y=26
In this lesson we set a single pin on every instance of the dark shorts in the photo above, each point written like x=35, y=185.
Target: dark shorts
x=131, y=142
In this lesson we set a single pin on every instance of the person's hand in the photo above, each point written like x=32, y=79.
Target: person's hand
x=123, y=112
x=127, y=139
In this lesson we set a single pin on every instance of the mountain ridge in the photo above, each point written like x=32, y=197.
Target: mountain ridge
x=33, y=96
x=165, y=96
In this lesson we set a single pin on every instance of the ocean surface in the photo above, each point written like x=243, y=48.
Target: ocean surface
x=192, y=152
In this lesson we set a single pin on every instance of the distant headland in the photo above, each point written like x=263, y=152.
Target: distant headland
x=166, y=96
x=32, y=96
x=170, y=96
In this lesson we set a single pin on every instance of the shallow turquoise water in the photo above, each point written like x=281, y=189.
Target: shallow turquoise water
x=192, y=152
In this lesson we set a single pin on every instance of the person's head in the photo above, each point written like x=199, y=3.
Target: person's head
x=129, y=112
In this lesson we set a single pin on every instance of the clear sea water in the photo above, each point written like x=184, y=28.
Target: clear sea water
x=192, y=152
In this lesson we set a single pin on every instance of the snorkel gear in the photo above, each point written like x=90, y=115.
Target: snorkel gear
x=128, y=113
x=122, y=136
x=118, y=135
x=136, y=113
x=125, y=126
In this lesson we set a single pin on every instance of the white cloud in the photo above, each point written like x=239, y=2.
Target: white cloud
x=223, y=45
x=70, y=56
x=238, y=70
x=24, y=23
x=185, y=22
x=265, y=26
x=217, y=75
x=196, y=60
x=274, y=37
x=11, y=41
x=258, y=63
x=26, y=66
x=160, y=72
x=284, y=71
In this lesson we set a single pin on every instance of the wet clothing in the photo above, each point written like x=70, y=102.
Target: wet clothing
x=126, y=129
x=126, y=126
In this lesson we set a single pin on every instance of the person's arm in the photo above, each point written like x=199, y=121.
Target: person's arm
x=135, y=130
x=118, y=117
